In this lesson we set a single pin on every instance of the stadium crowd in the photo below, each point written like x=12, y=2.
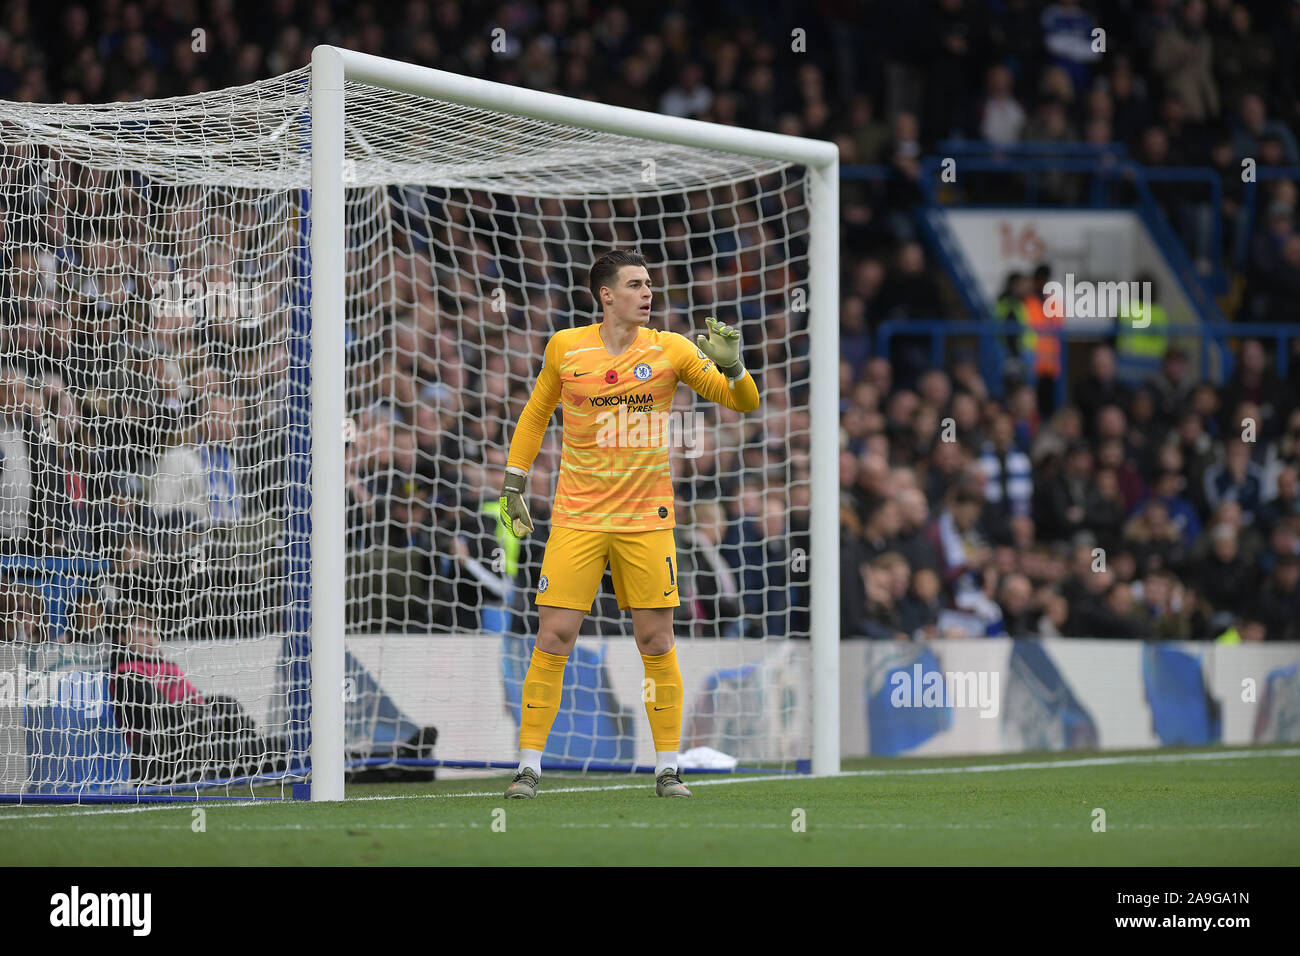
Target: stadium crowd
x=967, y=506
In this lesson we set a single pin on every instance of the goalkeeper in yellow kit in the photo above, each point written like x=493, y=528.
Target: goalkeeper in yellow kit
x=614, y=501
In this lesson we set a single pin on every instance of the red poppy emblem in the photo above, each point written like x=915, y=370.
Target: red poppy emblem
x=611, y=377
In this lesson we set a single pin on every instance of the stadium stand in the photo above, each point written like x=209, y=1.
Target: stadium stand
x=991, y=534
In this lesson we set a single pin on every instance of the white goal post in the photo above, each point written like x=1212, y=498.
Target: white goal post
x=332, y=69
x=261, y=350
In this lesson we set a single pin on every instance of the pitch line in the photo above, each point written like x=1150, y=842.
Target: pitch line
x=891, y=772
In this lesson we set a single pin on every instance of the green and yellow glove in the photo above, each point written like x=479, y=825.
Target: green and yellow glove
x=723, y=347
x=514, y=506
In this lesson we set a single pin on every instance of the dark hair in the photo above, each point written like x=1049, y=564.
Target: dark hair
x=605, y=269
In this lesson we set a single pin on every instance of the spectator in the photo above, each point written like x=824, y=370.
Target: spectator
x=1010, y=307
x=690, y=96
x=1055, y=616
x=1168, y=488
x=1156, y=541
x=1278, y=604
x=1128, y=98
x=962, y=550
x=709, y=584
x=1252, y=381
x=1244, y=59
x=1186, y=142
x=1285, y=505
x=1236, y=239
x=1253, y=126
x=1166, y=607
x=1015, y=598
x=1117, y=615
x=1001, y=117
x=910, y=292
x=1183, y=58
x=947, y=462
x=173, y=732
x=1051, y=124
x=1068, y=36
x=912, y=542
x=1225, y=578
x=1236, y=478
x=870, y=137
x=880, y=532
x=1171, y=386
x=878, y=618
x=904, y=155
x=1099, y=388
x=121, y=386
x=1009, y=486
x=1246, y=627
x=920, y=611
x=1249, y=540
x=197, y=480
x=1065, y=503
x=1105, y=509
x=23, y=613
x=1197, y=449
x=1282, y=541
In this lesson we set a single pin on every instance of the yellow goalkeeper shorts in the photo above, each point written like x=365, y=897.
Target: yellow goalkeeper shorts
x=643, y=565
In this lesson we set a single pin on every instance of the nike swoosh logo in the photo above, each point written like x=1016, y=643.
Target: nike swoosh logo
x=657, y=709
x=578, y=374
x=669, y=591
x=534, y=706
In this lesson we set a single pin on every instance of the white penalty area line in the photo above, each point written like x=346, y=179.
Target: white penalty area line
x=37, y=811
x=887, y=772
x=22, y=813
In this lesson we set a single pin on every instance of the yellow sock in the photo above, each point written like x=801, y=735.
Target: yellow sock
x=663, y=694
x=543, y=685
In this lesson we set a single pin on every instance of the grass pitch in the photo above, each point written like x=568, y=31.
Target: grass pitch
x=1172, y=808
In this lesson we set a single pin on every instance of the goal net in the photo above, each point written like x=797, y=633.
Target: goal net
x=157, y=384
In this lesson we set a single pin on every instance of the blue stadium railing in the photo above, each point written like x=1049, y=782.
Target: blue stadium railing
x=60, y=581
x=1107, y=168
x=992, y=335
x=1107, y=165
x=1250, y=204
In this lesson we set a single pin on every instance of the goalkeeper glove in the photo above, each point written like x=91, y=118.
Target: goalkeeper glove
x=723, y=347
x=514, y=508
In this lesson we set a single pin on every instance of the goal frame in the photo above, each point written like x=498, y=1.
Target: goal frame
x=331, y=67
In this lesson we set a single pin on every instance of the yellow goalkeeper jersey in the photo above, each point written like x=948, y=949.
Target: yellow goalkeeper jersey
x=614, y=472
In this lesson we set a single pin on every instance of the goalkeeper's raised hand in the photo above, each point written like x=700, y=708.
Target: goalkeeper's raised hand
x=723, y=347
x=514, y=507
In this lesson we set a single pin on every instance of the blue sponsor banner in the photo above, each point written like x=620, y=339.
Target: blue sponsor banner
x=591, y=724
x=1183, y=714
x=1041, y=711
x=903, y=710
x=1278, y=720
